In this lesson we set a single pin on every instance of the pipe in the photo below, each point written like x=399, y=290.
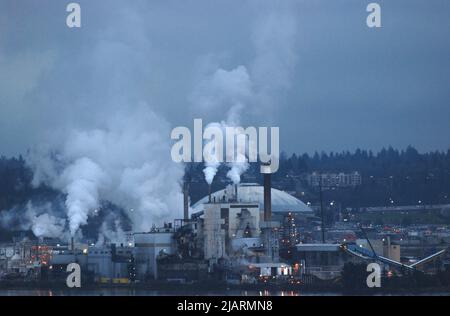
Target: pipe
x=236, y=192
x=209, y=193
x=267, y=197
x=186, y=201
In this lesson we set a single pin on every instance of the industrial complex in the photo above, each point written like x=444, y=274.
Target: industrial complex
x=243, y=234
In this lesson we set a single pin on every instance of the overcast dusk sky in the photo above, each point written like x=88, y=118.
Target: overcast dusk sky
x=313, y=68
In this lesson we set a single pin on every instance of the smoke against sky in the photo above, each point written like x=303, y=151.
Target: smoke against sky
x=249, y=91
x=41, y=218
x=348, y=86
x=126, y=162
x=95, y=105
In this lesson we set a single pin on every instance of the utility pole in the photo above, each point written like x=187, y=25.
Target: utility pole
x=321, y=208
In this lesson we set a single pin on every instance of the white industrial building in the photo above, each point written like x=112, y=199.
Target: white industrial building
x=229, y=224
x=147, y=248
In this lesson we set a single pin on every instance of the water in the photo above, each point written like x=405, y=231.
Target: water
x=138, y=292
x=141, y=292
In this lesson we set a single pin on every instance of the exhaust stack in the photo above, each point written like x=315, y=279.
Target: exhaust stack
x=209, y=193
x=265, y=170
x=236, y=192
x=186, y=201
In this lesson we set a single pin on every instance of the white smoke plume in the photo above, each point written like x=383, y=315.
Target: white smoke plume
x=46, y=225
x=212, y=158
x=238, y=164
x=210, y=170
x=236, y=170
x=101, y=133
x=81, y=181
x=37, y=218
x=92, y=138
x=252, y=89
x=221, y=89
x=126, y=162
x=114, y=234
x=112, y=142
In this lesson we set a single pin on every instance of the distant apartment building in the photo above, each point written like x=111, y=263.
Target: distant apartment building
x=340, y=179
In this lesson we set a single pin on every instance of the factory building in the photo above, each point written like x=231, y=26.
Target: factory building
x=285, y=211
x=324, y=261
x=23, y=259
x=148, y=246
x=230, y=234
x=228, y=227
x=232, y=228
x=235, y=226
x=104, y=264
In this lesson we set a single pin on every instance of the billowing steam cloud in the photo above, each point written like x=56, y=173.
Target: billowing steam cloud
x=111, y=142
x=127, y=162
x=212, y=159
x=211, y=170
x=230, y=89
x=237, y=169
x=92, y=137
x=46, y=225
x=37, y=218
x=81, y=182
x=252, y=89
x=111, y=232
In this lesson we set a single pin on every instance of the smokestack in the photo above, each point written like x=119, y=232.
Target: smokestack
x=265, y=170
x=236, y=192
x=72, y=244
x=209, y=193
x=186, y=201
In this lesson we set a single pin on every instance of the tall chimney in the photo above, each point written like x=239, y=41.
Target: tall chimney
x=186, y=201
x=72, y=244
x=209, y=193
x=265, y=170
x=236, y=192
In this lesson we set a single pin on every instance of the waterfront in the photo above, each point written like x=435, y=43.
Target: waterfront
x=143, y=292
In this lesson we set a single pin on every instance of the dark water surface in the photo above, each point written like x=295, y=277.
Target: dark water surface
x=139, y=292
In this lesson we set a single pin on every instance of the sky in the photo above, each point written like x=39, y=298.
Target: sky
x=313, y=68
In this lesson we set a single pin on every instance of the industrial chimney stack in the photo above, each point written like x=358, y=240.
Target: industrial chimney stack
x=265, y=170
x=209, y=193
x=186, y=201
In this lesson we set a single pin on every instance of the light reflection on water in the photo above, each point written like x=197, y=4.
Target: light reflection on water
x=138, y=292
x=141, y=292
